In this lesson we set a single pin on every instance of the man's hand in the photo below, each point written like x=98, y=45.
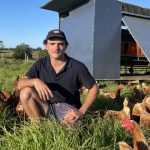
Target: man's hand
x=72, y=116
x=43, y=90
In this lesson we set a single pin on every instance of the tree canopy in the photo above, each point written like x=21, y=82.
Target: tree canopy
x=21, y=51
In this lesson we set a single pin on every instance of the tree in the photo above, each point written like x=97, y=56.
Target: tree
x=1, y=45
x=42, y=53
x=21, y=51
x=38, y=49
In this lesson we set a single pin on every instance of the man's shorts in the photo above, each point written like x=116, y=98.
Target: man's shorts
x=59, y=110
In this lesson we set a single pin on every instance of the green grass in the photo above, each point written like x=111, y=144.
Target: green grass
x=90, y=133
x=87, y=134
x=9, y=70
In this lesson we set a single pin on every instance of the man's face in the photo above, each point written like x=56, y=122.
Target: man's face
x=56, y=48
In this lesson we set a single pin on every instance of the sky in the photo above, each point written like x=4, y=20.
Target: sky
x=23, y=21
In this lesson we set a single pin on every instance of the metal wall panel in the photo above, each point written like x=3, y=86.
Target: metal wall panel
x=79, y=29
x=140, y=30
x=94, y=34
x=107, y=39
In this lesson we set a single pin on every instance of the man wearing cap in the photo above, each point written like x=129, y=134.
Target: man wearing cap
x=51, y=86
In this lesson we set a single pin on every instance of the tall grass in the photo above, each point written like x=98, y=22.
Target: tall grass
x=10, y=69
x=90, y=133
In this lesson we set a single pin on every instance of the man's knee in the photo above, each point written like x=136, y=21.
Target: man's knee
x=26, y=93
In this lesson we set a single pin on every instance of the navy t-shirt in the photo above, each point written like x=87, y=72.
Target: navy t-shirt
x=64, y=85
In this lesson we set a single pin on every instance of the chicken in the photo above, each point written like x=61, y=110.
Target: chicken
x=83, y=91
x=99, y=113
x=5, y=99
x=119, y=115
x=5, y=94
x=20, y=110
x=138, y=94
x=139, y=140
x=2, y=101
x=124, y=146
x=134, y=112
x=15, y=83
x=9, y=99
x=144, y=117
x=145, y=88
x=145, y=104
x=115, y=94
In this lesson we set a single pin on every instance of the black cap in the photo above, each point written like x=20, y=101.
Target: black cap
x=56, y=33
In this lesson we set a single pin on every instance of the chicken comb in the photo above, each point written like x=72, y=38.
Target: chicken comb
x=5, y=94
x=128, y=125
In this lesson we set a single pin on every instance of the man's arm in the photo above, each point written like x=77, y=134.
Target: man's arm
x=75, y=114
x=42, y=89
x=25, y=82
x=92, y=94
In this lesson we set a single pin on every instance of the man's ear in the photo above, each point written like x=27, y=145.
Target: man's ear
x=45, y=45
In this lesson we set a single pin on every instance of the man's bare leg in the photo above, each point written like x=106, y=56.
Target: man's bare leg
x=32, y=104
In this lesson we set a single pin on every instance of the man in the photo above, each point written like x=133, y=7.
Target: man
x=51, y=86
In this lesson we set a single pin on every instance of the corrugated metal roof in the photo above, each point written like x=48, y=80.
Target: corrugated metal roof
x=61, y=6
x=140, y=30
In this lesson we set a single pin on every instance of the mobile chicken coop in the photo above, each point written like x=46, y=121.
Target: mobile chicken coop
x=110, y=37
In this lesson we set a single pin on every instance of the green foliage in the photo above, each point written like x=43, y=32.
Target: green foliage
x=42, y=53
x=38, y=49
x=22, y=51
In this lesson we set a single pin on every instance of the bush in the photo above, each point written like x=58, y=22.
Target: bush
x=22, y=51
x=42, y=53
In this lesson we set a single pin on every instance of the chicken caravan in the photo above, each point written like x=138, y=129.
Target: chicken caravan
x=110, y=37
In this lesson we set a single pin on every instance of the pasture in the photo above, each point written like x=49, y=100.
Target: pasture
x=90, y=133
